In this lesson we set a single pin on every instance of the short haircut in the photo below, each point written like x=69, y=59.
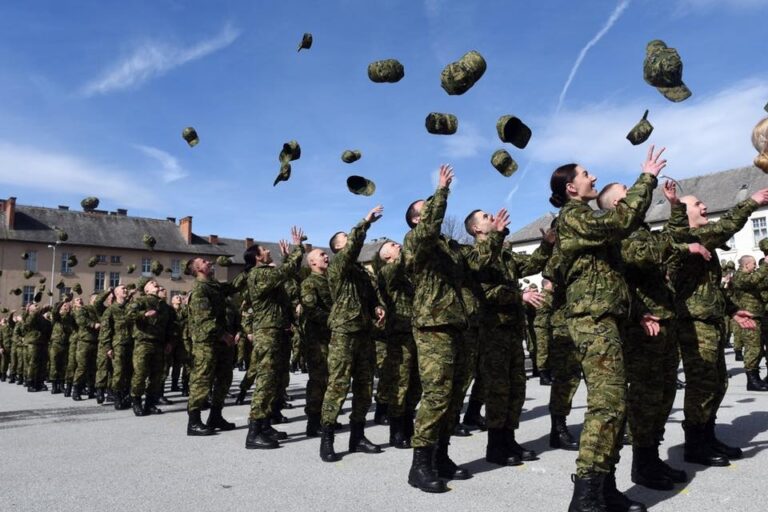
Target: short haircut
x=603, y=198
x=332, y=241
x=469, y=222
x=743, y=260
x=410, y=213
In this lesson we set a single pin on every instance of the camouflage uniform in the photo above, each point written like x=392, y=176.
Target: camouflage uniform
x=597, y=301
x=472, y=350
x=116, y=335
x=351, y=353
x=86, y=320
x=531, y=341
x=747, y=290
x=150, y=335
x=542, y=325
x=6, y=344
x=63, y=326
x=316, y=307
x=104, y=365
x=562, y=360
x=19, y=354
x=37, y=331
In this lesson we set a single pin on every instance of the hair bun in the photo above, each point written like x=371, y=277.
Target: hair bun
x=761, y=162
x=558, y=202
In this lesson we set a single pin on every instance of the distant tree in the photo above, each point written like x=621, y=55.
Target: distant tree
x=454, y=228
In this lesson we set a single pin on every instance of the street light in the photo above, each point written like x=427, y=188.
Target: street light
x=53, y=267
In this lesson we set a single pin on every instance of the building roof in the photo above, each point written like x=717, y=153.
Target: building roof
x=236, y=247
x=531, y=231
x=370, y=249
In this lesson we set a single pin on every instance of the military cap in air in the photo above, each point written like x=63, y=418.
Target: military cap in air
x=441, y=124
x=156, y=267
x=641, y=131
x=90, y=203
x=458, y=77
x=513, y=130
x=62, y=235
x=77, y=289
x=223, y=261
x=306, y=42
x=93, y=261
x=351, y=155
x=189, y=134
x=503, y=162
x=131, y=268
x=72, y=261
x=284, y=174
x=149, y=241
x=25, y=255
x=663, y=69
x=361, y=186
x=763, y=245
x=386, y=71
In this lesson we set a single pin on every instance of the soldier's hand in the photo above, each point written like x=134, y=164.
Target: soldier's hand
x=250, y=337
x=375, y=214
x=299, y=310
x=380, y=315
x=283, y=247
x=297, y=235
x=697, y=248
x=97, y=325
x=761, y=197
x=150, y=313
x=549, y=236
x=237, y=338
x=501, y=220
x=670, y=192
x=652, y=164
x=744, y=319
x=533, y=298
x=110, y=353
x=650, y=324
x=445, y=177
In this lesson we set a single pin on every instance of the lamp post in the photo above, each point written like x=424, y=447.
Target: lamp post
x=53, y=267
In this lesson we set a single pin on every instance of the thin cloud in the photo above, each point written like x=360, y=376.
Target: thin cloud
x=686, y=6
x=615, y=15
x=467, y=142
x=155, y=59
x=24, y=166
x=171, y=170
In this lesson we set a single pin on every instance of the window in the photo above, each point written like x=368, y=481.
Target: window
x=175, y=269
x=102, y=258
x=65, y=263
x=759, y=229
x=31, y=262
x=114, y=279
x=98, y=282
x=64, y=292
x=29, y=295
x=146, y=267
x=115, y=260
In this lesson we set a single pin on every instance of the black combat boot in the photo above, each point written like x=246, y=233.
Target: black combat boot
x=645, y=470
x=461, y=430
x=559, y=436
x=397, y=437
x=534, y=368
x=678, y=476
x=313, y=425
x=446, y=468
x=277, y=417
x=40, y=385
x=100, y=396
x=497, y=451
x=138, y=410
x=185, y=385
x=266, y=428
x=19, y=380
x=473, y=418
x=738, y=355
x=68, y=389
x=697, y=450
x=240, y=400
x=118, y=396
x=588, y=493
x=12, y=379
x=175, y=373
x=256, y=439
x=241, y=366
x=545, y=378
x=2, y=377
x=730, y=452
x=754, y=382
x=615, y=500
x=56, y=387
x=421, y=474
x=327, y=453
x=195, y=426
x=150, y=406
x=380, y=416
x=109, y=397
x=522, y=453
x=90, y=389
x=357, y=440
x=76, y=393
x=162, y=400
x=217, y=422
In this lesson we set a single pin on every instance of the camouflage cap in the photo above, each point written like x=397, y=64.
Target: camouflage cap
x=223, y=261
x=93, y=261
x=189, y=134
x=641, y=131
x=306, y=42
x=663, y=69
x=723, y=262
x=16, y=291
x=351, y=155
x=60, y=285
x=441, y=124
x=28, y=274
x=284, y=174
x=72, y=261
x=142, y=282
x=291, y=151
x=361, y=186
x=149, y=241
x=156, y=267
x=62, y=235
x=25, y=255
x=90, y=203
x=458, y=77
x=131, y=268
x=513, y=130
x=42, y=280
x=730, y=265
x=503, y=162
x=386, y=71
x=533, y=286
x=763, y=245
x=77, y=289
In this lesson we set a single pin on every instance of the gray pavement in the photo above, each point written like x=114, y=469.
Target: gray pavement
x=62, y=455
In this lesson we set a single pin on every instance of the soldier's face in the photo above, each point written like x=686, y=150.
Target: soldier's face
x=65, y=308
x=417, y=208
x=390, y=251
x=341, y=241
x=151, y=288
x=318, y=259
x=583, y=185
x=204, y=266
x=176, y=301
x=265, y=255
x=483, y=222
x=92, y=300
x=78, y=303
x=697, y=211
x=749, y=264
x=120, y=292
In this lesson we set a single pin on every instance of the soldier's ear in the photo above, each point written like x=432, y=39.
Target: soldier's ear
x=570, y=188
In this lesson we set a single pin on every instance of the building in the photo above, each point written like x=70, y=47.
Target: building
x=720, y=191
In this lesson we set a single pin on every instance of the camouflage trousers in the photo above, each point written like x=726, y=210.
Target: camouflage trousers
x=406, y=390
x=148, y=370
x=37, y=362
x=531, y=341
x=122, y=367
x=86, y=363
x=479, y=386
x=386, y=369
x=542, y=348
x=19, y=359
x=186, y=369
x=505, y=373
x=69, y=375
x=212, y=372
x=599, y=350
x=351, y=359
x=267, y=363
x=750, y=340
x=57, y=355
x=316, y=355
x=651, y=363
x=566, y=370
x=440, y=354
x=706, y=377
x=244, y=349
x=5, y=360
x=104, y=368
x=469, y=358
x=297, y=348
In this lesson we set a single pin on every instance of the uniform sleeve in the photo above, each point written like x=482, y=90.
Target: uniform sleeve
x=751, y=281
x=348, y=255
x=261, y=284
x=530, y=264
x=106, y=329
x=424, y=236
x=715, y=234
x=202, y=317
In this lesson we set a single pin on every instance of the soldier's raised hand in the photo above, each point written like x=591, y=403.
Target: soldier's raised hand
x=761, y=197
x=297, y=235
x=375, y=214
x=652, y=164
x=283, y=245
x=549, y=236
x=670, y=192
x=380, y=315
x=501, y=220
x=445, y=177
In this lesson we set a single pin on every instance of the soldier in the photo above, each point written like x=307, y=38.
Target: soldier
x=104, y=368
x=542, y=326
x=531, y=342
x=176, y=359
x=36, y=336
x=5, y=348
x=19, y=354
x=69, y=374
x=87, y=321
x=272, y=311
x=171, y=343
x=435, y=266
x=316, y=307
x=597, y=302
x=63, y=326
x=701, y=307
x=351, y=354
x=116, y=335
x=213, y=344
x=397, y=292
x=749, y=283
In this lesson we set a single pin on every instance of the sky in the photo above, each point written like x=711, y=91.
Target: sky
x=94, y=96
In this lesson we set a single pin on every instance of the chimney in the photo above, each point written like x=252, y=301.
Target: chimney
x=185, y=225
x=63, y=207
x=9, y=211
x=213, y=239
x=172, y=219
x=248, y=242
x=122, y=211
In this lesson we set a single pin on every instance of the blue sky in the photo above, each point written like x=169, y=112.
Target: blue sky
x=94, y=95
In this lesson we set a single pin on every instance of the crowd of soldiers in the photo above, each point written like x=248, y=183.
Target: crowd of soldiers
x=620, y=305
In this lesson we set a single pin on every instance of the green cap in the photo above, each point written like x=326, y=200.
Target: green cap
x=77, y=289
x=441, y=124
x=291, y=151
x=62, y=235
x=513, y=130
x=25, y=255
x=284, y=174
x=223, y=261
x=41, y=280
x=763, y=245
x=306, y=42
x=142, y=282
x=458, y=77
x=72, y=261
x=28, y=274
x=503, y=162
x=156, y=267
x=361, y=186
x=641, y=131
x=93, y=261
x=90, y=203
x=131, y=268
x=149, y=241
x=351, y=155
x=189, y=134
x=60, y=285
x=16, y=291
x=386, y=71
x=663, y=69
x=730, y=265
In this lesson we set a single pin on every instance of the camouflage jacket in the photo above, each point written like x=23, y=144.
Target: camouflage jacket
x=270, y=301
x=116, y=326
x=86, y=319
x=589, y=242
x=37, y=329
x=698, y=294
x=436, y=267
x=354, y=297
x=397, y=294
x=6, y=339
x=149, y=329
x=63, y=325
x=18, y=334
x=316, y=306
x=748, y=288
x=207, y=317
x=471, y=290
x=542, y=322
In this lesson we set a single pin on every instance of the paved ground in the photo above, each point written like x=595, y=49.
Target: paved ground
x=61, y=455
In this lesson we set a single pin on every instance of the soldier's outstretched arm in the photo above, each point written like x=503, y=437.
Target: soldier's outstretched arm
x=715, y=234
